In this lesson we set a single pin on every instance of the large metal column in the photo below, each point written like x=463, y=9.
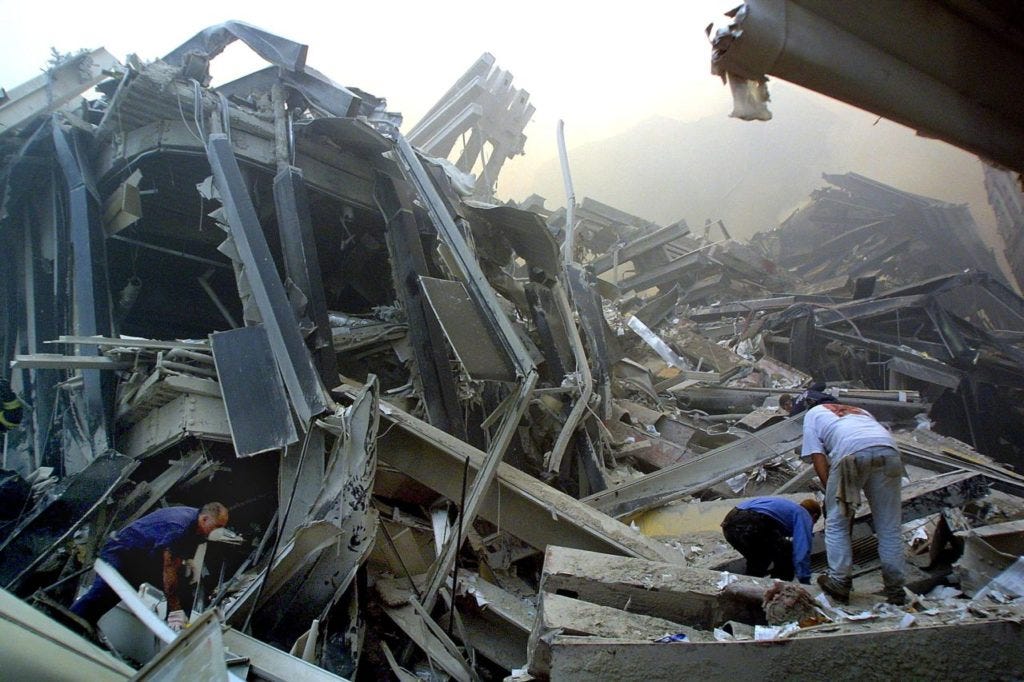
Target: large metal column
x=408, y=264
x=307, y=394
x=91, y=289
x=303, y=266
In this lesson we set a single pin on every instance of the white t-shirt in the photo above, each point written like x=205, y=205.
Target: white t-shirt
x=839, y=430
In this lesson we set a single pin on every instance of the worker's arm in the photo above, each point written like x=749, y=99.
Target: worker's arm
x=820, y=462
x=172, y=568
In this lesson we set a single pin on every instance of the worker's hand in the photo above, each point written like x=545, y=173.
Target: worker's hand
x=176, y=620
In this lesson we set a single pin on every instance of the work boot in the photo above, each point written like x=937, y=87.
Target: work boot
x=895, y=595
x=837, y=589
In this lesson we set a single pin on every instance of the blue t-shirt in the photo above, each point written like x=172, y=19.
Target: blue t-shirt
x=173, y=528
x=797, y=523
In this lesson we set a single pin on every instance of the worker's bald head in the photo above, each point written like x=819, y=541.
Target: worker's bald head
x=212, y=516
x=813, y=508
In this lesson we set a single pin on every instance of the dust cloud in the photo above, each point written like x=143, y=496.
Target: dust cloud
x=752, y=175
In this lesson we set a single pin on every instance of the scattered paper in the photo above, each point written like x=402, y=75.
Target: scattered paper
x=943, y=592
x=863, y=615
x=726, y=578
x=737, y=483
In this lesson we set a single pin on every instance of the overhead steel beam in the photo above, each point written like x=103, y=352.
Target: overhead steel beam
x=72, y=362
x=725, y=400
x=938, y=372
x=915, y=62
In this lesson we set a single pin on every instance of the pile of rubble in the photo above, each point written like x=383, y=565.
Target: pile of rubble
x=449, y=448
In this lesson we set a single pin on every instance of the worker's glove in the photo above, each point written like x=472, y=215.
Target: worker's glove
x=176, y=620
x=805, y=581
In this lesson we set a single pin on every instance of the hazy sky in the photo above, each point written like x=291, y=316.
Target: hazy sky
x=599, y=69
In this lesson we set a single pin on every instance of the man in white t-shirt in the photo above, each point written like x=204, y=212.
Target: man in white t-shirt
x=851, y=452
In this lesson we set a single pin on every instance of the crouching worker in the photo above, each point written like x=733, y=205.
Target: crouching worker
x=151, y=550
x=774, y=535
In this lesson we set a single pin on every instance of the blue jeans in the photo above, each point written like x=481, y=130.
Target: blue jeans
x=100, y=598
x=878, y=470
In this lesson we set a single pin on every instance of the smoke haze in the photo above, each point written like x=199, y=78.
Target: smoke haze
x=752, y=175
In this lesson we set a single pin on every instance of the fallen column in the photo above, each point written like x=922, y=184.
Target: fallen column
x=700, y=472
x=518, y=503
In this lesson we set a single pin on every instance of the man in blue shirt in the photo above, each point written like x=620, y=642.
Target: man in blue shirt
x=773, y=534
x=151, y=550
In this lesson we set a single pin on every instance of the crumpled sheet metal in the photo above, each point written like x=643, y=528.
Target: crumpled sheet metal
x=210, y=42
